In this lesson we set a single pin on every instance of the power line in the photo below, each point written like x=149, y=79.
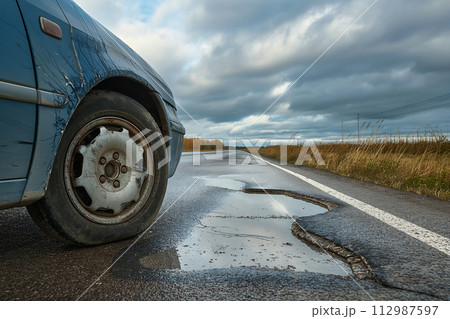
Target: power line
x=437, y=99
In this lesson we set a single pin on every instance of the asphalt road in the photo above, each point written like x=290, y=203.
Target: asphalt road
x=215, y=242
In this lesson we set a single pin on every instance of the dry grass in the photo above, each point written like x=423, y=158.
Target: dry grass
x=201, y=145
x=422, y=167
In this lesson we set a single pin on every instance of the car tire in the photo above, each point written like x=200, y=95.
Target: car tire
x=105, y=184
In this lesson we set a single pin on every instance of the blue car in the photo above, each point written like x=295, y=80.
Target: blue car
x=89, y=133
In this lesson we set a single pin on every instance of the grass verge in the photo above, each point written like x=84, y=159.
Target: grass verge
x=421, y=167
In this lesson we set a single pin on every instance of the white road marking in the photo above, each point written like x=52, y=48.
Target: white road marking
x=426, y=236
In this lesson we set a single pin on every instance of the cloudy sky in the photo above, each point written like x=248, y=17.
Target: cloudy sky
x=228, y=61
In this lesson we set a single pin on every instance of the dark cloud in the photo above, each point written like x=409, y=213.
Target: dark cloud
x=234, y=17
x=391, y=65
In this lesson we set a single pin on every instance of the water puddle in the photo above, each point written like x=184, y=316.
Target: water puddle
x=249, y=230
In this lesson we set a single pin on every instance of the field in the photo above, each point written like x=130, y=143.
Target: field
x=191, y=144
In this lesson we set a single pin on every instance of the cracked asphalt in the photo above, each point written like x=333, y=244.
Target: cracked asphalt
x=217, y=243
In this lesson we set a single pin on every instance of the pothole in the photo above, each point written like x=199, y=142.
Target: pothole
x=317, y=201
x=251, y=229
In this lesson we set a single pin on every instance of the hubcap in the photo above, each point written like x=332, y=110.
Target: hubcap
x=108, y=175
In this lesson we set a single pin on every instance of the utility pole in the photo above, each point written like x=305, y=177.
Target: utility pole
x=342, y=130
x=357, y=120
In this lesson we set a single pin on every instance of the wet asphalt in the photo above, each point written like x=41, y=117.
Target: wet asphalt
x=214, y=242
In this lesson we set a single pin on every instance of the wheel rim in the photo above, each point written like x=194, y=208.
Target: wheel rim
x=109, y=171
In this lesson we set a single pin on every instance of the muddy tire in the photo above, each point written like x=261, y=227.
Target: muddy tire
x=105, y=184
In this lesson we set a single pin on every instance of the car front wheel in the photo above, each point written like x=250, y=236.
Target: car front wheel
x=105, y=184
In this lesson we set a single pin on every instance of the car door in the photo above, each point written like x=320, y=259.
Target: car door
x=17, y=103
